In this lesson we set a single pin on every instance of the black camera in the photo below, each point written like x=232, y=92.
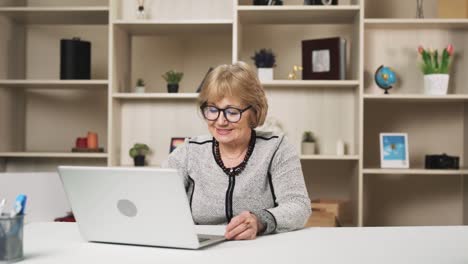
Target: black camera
x=320, y=2
x=443, y=161
x=268, y=2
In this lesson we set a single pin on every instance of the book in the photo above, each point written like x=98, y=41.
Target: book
x=324, y=59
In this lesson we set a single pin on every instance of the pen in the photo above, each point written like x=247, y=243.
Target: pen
x=2, y=205
x=20, y=204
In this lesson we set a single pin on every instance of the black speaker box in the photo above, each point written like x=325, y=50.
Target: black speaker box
x=75, y=59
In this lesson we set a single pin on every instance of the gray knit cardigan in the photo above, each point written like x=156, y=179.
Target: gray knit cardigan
x=271, y=186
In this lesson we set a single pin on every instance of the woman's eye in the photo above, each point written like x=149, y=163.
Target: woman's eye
x=232, y=112
x=212, y=110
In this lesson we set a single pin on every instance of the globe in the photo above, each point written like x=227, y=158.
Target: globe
x=385, y=77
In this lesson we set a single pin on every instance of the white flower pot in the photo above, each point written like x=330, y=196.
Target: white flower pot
x=308, y=148
x=139, y=89
x=436, y=84
x=265, y=74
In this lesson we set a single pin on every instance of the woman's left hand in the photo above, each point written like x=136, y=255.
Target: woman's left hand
x=243, y=226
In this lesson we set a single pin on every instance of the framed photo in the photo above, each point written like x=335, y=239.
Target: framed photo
x=394, y=150
x=324, y=59
x=175, y=142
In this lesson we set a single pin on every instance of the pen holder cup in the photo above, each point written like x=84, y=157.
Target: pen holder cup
x=11, y=238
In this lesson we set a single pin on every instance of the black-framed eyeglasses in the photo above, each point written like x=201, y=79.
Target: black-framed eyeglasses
x=232, y=114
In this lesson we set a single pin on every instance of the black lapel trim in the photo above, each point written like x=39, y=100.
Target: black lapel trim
x=264, y=138
x=229, y=194
x=270, y=181
x=274, y=219
x=192, y=182
x=200, y=143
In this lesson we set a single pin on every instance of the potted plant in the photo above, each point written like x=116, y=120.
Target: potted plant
x=265, y=61
x=173, y=78
x=140, y=86
x=436, y=70
x=308, y=143
x=138, y=152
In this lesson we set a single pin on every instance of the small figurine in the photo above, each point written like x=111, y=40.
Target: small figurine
x=293, y=75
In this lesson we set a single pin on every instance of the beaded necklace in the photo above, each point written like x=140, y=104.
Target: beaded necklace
x=234, y=171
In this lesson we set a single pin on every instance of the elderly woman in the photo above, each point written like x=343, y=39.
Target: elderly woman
x=250, y=180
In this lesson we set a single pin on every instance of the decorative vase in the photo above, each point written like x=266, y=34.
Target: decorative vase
x=139, y=160
x=172, y=87
x=265, y=74
x=436, y=84
x=140, y=89
x=308, y=148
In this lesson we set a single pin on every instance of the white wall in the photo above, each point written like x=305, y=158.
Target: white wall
x=46, y=197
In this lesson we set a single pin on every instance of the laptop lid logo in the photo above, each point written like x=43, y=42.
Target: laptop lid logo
x=127, y=208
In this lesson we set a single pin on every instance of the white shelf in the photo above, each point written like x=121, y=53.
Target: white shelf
x=345, y=14
x=161, y=96
x=95, y=15
x=329, y=157
x=311, y=83
x=413, y=23
x=55, y=84
x=417, y=97
x=415, y=171
x=52, y=155
x=175, y=27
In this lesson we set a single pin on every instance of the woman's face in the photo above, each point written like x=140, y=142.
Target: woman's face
x=226, y=132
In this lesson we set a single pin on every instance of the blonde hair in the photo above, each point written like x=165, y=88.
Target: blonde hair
x=236, y=80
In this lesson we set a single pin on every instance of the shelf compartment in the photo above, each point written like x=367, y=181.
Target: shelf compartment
x=95, y=15
x=55, y=84
x=52, y=155
x=298, y=14
x=312, y=84
x=162, y=96
x=418, y=97
x=328, y=157
x=414, y=23
x=414, y=171
x=171, y=27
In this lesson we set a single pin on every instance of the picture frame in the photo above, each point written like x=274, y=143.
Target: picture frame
x=324, y=59
x=394, y=150
x=175, y=142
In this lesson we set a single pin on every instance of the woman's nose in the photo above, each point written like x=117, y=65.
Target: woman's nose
x=222, y=119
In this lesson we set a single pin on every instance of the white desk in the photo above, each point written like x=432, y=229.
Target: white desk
x=61, y=243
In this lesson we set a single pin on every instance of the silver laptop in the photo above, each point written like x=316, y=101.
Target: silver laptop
x=139, y=206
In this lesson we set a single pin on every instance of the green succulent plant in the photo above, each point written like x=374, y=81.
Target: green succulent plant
x=173, y=77
x=139, y=149
x=140, y=82
x=308, y=136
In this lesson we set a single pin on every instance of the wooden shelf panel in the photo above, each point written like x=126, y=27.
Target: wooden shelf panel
x=415, y=171
x=418, y=97
x=161, y=96
x=298, y=14
x=178, y=27
x=311, y=83
x=329, y=157
x=52, y=155
x=413, y=23
x=55, y=84
x=95, y=15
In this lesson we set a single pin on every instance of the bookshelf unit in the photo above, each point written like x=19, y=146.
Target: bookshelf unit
x=42, y=115
x=189, y=37
x=435, y=124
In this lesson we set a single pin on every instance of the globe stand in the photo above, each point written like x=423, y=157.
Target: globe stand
x=386, y=88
